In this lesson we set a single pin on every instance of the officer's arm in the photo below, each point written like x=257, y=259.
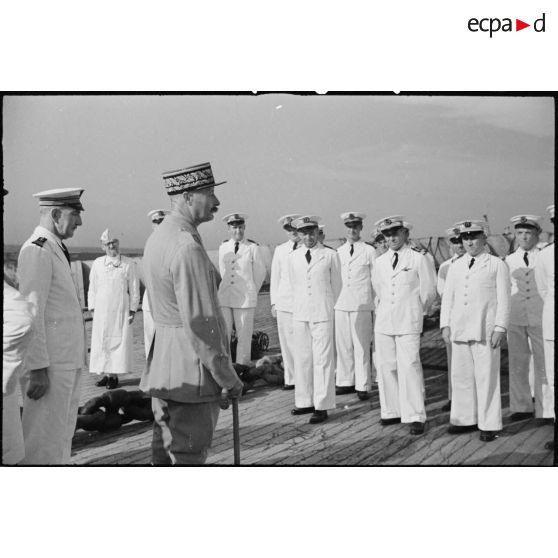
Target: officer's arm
x=503, y=295
x=371, y=264
x=133, y=286
x=540, y=275
x=35, y=276
x=336, y=279
x=92, y=291
x=447, y=298
x=274, y=278
x=200, y=314
x=427, y=280
x=259, y=270
x=222, y=260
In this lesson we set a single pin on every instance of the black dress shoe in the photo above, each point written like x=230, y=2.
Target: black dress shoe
x=302, y=410
x=317, y=417
x=343, y=390
x=455, y=429
x=515, y=417
x=102, y=382
x=363, y=395
x=549, y=445
x=417, y=428
x=112, y=383
x=387, y=422
x=288, y=387
x=447, y=407
x=488, y=435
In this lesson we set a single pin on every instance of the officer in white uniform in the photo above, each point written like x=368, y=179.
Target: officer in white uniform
x=353, y=310
x=475, y=316
x=405, y=287
x=315, y=276
x=243, y=271
x=156, y=216
x=454, y=237
x=281, y=296
x=525, y=337
x=56, y=356
x=544, y=276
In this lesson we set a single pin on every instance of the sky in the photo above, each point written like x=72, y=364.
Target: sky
x=436, y=160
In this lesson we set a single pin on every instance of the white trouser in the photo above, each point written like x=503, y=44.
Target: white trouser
x=448, y=356
x=522, y=340
x=549, y=366
x=285, y=331
x=12, y=433
x=49, y=422
x=314, y=365
x=400, y=378
x=148, y=330
x=353, y=337
x=475, y=377
x=243, y=319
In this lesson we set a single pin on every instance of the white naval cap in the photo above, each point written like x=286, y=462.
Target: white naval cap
x=408, y=225
x=61, y=197
x=286, y=220
x=454, y=231
x=531, y=221
x=550, y=210
x=471, y=225
x=156, y=214
x=390, y=223
x=107, y=236
x=306, y=222
x=235, y=218
x=352, y=217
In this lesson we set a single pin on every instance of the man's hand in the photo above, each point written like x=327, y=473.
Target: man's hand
x=131, y=316
x=233, y=393
x=496, y=339
x=273, y=311
x=38, y=383
x=446, y=335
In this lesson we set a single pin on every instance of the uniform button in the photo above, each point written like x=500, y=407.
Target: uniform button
x=528, y=290
x=465, y=294
x=528, y=298
x=465, y=304
x=466, y=277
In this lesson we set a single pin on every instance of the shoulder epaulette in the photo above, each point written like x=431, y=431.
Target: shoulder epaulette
x=419, y=250
x=40, y=242
x=457, y=258
x=369, y=243
x=225, y=241
x=252, y=241
x=326, y=246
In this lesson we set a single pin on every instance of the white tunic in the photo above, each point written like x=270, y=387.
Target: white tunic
x=526, y=302
x=280, y=292
x=476, y=300
x=113, y=293
x=544, y=275
x=356, y=273
x=242, y=274
x=403, y=294
x=443, y=273
x=316, y=286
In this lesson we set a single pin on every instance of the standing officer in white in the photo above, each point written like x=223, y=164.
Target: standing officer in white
x=353, y=310
x=544, y=276
x=113, y=296
x=281, y=296
x=474, y=316
x=525, y=330
x=156, y=216
x=454, y=236
x=56, y=356
x=316, y=283
x=405, y=286
x=243, y=271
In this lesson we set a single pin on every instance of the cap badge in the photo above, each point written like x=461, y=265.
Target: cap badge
x=387, y=221
x=455, y=231
x=467, y=224
x=523, y=219
x=306, y=220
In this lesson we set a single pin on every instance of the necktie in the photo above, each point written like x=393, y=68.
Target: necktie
x=526, y=259
x=308, y=256
x=395, y=260
x=66, y=253
x=295, y=244
x=352, y=249
x=235, y=247
x=471, y=263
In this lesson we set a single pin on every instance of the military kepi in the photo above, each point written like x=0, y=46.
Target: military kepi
x=189, y=179
x=529, y=221
x=61, y=197
x=352, y=217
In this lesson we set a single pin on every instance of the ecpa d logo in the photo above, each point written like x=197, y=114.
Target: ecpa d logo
x=493, y=25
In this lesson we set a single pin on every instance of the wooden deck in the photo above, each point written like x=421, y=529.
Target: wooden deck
x=270, y=435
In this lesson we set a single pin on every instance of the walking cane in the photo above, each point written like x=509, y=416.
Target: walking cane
x=236, y=431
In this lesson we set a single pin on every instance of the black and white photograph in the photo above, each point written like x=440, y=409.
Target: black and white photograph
x=278, y=279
